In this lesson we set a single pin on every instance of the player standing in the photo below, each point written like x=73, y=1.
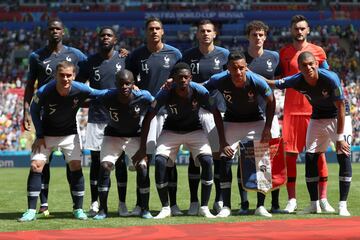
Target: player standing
x=42, y=65
x=323, y=90
x=297, y=111
x=263, y=62
x=151, y=64
x=205, y=61
x=100, y=70
x=240, y=87
x=53, y=111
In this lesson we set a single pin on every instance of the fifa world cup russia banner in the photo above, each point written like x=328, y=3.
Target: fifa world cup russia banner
x=262, y=165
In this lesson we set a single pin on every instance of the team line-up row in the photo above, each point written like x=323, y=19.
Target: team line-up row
x=206, y=80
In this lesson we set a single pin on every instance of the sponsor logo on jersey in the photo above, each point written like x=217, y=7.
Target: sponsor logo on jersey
x=269, y=66
x=194, y=60
x=217, y=64
x=166, y=62
x=52, y=105
x=46, y=62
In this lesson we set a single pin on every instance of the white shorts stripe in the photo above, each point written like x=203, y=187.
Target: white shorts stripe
x=207, y=183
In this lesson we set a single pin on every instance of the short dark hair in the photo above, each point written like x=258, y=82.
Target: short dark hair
x=66, y=64
x=107, y=27
x=256, y=25
x=153, y=19
x=124, y=74
x=298, y=18
x=305, y=55
x=55, y=19
x=235, y=55
x=205, y=21
x=180, y=66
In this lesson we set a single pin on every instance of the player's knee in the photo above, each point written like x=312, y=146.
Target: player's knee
x=107, y=166
x=205, y=161
x=37, y=166
x=74, y=165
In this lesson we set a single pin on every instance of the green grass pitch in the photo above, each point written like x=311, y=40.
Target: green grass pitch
x=13, y=201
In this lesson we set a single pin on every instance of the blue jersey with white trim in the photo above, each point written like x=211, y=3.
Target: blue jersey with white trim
x=55, y=115
x=183, y=113
x=322, y=96
x=241, y=103
x=125, y=118
x=152, y=69
x=101, y=75
x=43, y=62
x=204, y=66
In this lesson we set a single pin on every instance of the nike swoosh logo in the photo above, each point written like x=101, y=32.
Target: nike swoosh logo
x=52, y=105
x=46, y=62
x=193, y=60
x=95, y=68
x=112, y=109
x=143, y=60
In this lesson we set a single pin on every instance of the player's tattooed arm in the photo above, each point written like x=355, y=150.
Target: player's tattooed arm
x=341, y=145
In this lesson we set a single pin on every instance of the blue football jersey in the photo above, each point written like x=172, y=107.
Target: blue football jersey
x=55, y=115
x=241, y=103
x=322, y=96
x=101, y=75
x=125, y=118
x=183, y=114
x=43, y=62
x=152, y=69
x=265, y=65
x=204, y=66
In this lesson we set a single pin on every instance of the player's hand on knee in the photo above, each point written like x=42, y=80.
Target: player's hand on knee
x=343, y=147
x=138, y=156
x=227, y=150
x=266, y=135
x=36, y=146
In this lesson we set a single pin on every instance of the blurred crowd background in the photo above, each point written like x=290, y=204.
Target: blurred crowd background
x=340, y=42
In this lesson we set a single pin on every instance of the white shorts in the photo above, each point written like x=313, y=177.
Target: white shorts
x=208, y=124
x=170, y=141
x=94, y=136
x=242, y=131
x=156, y=125
x=68, y=145
x=321, y=131
x=112, y=148
x=275, y=127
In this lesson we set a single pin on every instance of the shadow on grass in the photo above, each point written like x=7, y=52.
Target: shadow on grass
x=53, y=215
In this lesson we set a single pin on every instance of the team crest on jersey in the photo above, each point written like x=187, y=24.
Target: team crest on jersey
x=217, y=64
x=136, y=111
x=166, y=62
x=325, y=93
x=68, y=58
x=75, y=103
x=118, y=67
x=269, y=66
x=194, y=105
x=36, y=99
x=251, y=96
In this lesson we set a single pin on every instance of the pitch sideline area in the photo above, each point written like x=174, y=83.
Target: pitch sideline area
x=321, y=228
